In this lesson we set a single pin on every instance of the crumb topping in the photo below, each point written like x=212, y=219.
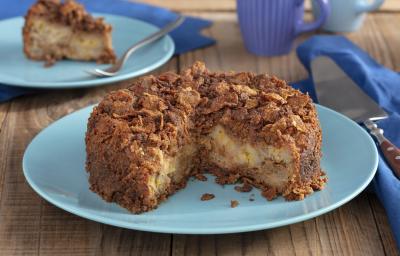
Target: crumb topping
x=70, y=13
x=167, y=111
x=269, y=193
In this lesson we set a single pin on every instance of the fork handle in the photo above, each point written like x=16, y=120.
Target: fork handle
x=392, y=155
x=153, y=37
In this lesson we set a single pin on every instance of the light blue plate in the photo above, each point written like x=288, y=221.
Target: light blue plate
x=54, y=166
x=17, y=70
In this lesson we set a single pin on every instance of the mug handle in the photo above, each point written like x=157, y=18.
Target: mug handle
x=325, y=10
x=368, y=7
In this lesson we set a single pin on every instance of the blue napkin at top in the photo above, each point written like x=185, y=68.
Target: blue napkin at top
x=187, y=37
x=382, y=85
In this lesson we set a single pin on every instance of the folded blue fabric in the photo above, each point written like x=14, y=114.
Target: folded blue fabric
x=382, y=85
x=187, y=37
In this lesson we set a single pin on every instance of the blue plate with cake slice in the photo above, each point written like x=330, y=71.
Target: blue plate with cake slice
x=18, y=70
x=54, y=166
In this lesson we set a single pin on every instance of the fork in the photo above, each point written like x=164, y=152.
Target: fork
x=114, y=69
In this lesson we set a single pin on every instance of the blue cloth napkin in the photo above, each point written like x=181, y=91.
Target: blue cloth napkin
x=187, y=37
x=382, y=85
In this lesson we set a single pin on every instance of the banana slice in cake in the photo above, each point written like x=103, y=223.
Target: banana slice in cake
x=264, y=164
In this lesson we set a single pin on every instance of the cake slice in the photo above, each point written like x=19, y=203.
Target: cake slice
x=56, y=30
x=144, y=142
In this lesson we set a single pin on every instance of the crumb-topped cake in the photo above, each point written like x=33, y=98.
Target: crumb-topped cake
x=57, y=30
x=144, y=142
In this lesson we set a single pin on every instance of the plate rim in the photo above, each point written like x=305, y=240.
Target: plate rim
x=225, y=230
x=98, y=81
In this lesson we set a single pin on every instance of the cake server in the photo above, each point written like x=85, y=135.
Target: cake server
x=336, y=90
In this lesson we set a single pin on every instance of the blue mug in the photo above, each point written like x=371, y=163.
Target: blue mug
x=346, y=15
x=269, y=27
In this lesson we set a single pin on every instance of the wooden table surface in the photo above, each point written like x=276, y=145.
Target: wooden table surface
x=31, y=226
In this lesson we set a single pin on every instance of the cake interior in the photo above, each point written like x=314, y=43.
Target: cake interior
x=173, y=171
x=263, y=164
x=58, y=41
x=224, y=155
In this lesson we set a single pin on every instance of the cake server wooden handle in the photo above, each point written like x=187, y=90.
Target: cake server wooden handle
x=389, y=150
x=392, y=155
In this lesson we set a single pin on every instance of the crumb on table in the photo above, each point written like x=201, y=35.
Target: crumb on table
x=207, y=196
x=234, y=203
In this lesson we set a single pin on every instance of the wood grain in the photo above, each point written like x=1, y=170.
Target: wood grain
x=350, y=230
x=230, y=5
x=31, y=226
x=4, y=112
x=389, y=244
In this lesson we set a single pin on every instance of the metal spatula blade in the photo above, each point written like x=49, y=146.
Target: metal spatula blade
x=337, y=91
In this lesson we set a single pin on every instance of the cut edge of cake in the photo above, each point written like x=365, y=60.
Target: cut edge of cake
x=56, y=30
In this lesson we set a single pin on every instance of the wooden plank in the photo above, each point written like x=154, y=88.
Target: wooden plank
x=349, y=230
x=230, y=5
x=352, y=228
x=19, y=207
x=30, y=226
x=383, y=226
x=193, y=5
x=376, y=38
x=385, y=39
x=4, y=111
x=117, y=241
x=4, y=108
x=226, y=54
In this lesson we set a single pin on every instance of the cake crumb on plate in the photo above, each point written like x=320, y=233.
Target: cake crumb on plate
x=200, y=177
x=246, y=187
x=207, y=196
x=251, y=198
x=234, y=203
